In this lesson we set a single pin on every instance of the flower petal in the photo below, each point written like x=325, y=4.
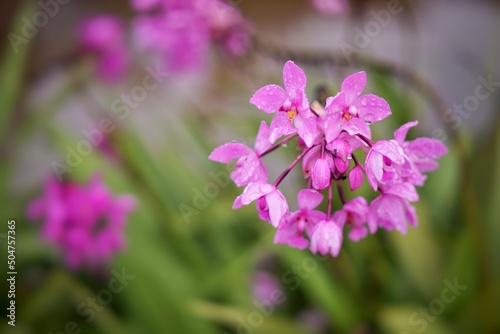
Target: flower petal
x=294, y=79
x=374, y=165
x=353, y=85
x=427, y=147
x=372, y=108
x=262, y=141
x=278, y=206
x=309, y=199
x=306, y=127
x=255, y=190
x=269, y=98
x=402, y=131
x=227, y=152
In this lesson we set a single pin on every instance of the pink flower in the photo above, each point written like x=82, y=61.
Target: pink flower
x=105, y=36
x=179, y=32
x=326, y=238
x=265, y=286
x=276, y=202
x=421, y=153
x=355, y=178
x=227, y=26
x=391, y=210
x=341, y=151
x=331, y=7
x=383, y=162
x=293, y=225
x=290, y=104
x=249, y=167
x=352, y=112
x=85, y=222
x=354, y=214
x=321, y=174
x=176, y=33
x=328, y=140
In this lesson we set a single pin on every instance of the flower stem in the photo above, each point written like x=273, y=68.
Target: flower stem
x=279, y=144
x=293, y=164
x=340, y=190
x=330, y=199
x=368, y=141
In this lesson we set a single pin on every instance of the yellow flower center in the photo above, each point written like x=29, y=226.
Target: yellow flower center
x=291, y=114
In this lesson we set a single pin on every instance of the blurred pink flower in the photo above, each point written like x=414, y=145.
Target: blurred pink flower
x=180, y=32
x=331, y=7
x=104, y=35
x=265, y=286
x=85, y=222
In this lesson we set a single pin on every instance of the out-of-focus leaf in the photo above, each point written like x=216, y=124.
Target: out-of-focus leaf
x=321, y=288
x=13, y=65
x=418, y=252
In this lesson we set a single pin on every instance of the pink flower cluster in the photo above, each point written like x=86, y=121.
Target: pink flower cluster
x=105, y=37
x=332, y=140
x=180, y=31
x=177, y=32
x=85, y=222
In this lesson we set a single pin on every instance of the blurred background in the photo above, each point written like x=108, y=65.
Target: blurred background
x=194, y=265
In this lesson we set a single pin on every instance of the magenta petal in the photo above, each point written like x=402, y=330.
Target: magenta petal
x=411, y=214
x=427, y=147
x=306, y=127
x=390, y=149
x=309, y=199
x=374, y=165
x=372, y=108
x=404, y=190
x=280, y=126
x=326, y=238
x=357, y=233
x=227, y=152
x=269, y=98
x=278, y=206
x=262, y=141
x=353, y=85
x=357, y=205
x=355, y=178
x=333, y=126
x=294, y=79
x=309, y=160
x=321, y=174
x=237, y=203
x=402, y=131
x=255, y=190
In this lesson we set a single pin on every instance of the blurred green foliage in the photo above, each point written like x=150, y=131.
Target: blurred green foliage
x=194, y=275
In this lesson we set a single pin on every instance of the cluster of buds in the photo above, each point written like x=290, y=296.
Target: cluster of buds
x=332, y=141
